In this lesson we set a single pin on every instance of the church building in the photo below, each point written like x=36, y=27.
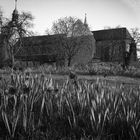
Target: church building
x=48, y=48
x=110, y=45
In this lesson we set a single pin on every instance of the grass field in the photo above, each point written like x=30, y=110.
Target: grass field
x=58, y=108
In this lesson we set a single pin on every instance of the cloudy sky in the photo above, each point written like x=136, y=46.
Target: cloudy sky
x=100, y=13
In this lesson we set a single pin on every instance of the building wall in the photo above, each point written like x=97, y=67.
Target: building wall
x=86, y=51
x=113, y=44
x=114, y=50
x=4, y=53
x=110, y=50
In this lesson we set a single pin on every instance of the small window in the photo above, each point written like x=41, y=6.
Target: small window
x=127, y=47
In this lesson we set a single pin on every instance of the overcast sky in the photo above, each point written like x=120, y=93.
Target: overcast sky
x=100, y=13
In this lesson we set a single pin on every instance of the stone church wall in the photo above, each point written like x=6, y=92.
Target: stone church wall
x=86, y=51
x=110, y=50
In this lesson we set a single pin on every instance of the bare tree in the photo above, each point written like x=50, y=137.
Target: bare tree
x=48, y=32
x=1, y=18
x=73, y=33
x=136, y=35
x=13, y=31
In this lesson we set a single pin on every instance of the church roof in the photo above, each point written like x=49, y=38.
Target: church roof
x=108, y=34
x=39, y=47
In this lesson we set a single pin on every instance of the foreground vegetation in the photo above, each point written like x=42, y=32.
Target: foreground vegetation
x=92, y=68
x=38, y=107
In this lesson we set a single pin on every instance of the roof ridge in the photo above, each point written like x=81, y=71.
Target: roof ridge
x=110, y=29
x=43, y=35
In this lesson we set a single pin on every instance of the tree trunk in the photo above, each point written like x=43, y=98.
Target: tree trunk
x=13, y=59
x=69, y=61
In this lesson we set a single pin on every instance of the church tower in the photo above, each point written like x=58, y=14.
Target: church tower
x=85, y=21
x=6, y=35
x=0, y=21
x=15, y=14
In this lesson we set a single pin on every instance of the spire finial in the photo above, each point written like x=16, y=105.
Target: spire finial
x=15, y=13
x=85, y=21
x=16, y=4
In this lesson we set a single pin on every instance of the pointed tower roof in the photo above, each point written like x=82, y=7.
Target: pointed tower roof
x=15, y=13
x=15, y=4
x=85, y=20
x=0, y=19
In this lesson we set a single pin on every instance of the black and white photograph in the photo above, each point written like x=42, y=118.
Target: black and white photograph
x=69, y=69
